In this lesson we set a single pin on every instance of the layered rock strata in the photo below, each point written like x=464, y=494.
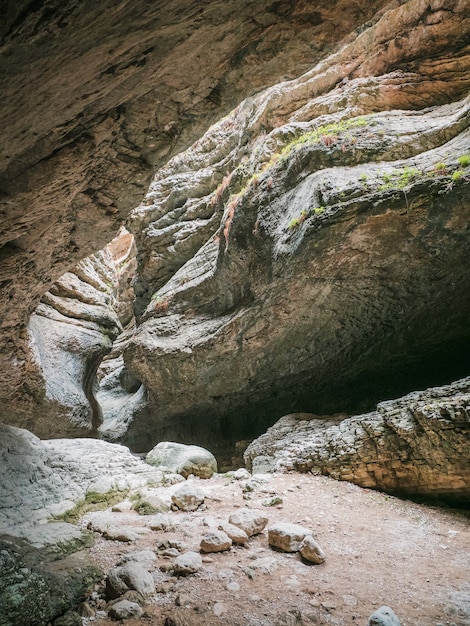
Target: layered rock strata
x=96, y=95
x=310, y=252
x=417, y=444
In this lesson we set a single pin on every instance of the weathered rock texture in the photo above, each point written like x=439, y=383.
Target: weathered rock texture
x=41, y=479
x=418, y=444
x=310, y=251
x=95, y=95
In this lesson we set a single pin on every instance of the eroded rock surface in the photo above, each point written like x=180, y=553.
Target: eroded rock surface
x=310, y=251
x=96, y=95
x=418, y=444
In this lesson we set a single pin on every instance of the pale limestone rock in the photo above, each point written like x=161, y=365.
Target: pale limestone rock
x=124, y=609
x=187, y=563
x=287, y=537
x=311, y=550
x=182, y=459
x=236, y=534
x=132, y=575
x=251, y=521
x=215, y=541
x=188, y=497
x=384, y=616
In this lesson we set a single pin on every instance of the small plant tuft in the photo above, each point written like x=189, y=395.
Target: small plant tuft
x=464, y=160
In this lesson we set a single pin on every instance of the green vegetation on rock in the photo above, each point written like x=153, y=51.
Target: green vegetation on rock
x=93, y=501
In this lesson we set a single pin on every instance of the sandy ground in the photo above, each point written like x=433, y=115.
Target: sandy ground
x=380, y=551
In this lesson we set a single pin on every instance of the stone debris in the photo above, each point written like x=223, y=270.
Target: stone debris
x=125, y=610
x=188, y=563
x=311, y=550
x=182, y=459
x=160, y=521
x=236, y=534
x=129, y=576
x=287, y=537
x=251, y=521
x=215, y=541
x=384, y=616
x=189, y=497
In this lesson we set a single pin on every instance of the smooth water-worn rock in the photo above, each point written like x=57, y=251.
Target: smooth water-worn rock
x=385, y=616
x=303, y=254
x=236, y=534
x=41, y=479
x=94, y=96
x=415, y=444
x=182, y=459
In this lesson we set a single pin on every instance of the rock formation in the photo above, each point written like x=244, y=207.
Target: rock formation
x=418, y=444
x=310, y=251
x=95, y=96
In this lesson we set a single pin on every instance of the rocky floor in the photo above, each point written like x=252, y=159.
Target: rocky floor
x=380, y=550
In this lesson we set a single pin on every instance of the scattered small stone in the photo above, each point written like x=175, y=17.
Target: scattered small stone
x=188, y=497
x=328, y=605
x=207, y=559
x=219, y=609
x=133, y=596
x=160, y=521
x=311, y=550
x=122, y=507
x=349, y=600
x=150, y=505
x=170, y=552
x=287, y=537
x=125, y=610
x=215, y=541
x=251, y=521
x=241, y=474
x=182, y=599
x=187, y=563
x=125, y=534
x=384, y=616
x=146, y=557
x=274, y=501
x=237, y=535
x=233, y=586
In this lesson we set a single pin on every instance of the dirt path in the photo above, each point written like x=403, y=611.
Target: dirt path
x=380, y=551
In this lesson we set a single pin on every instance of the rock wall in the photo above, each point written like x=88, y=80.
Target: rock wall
x=310, y=251
x=418, y=444
x=96, y=95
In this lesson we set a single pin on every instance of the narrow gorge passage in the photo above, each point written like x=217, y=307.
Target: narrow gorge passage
x=243, y=226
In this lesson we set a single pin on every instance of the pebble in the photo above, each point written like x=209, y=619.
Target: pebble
x=384, y=616
x=233, y=586
x=219, y=609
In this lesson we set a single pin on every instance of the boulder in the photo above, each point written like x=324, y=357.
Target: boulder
x=311, y=550
x=189, y=497
x=124, y=609
x=182, y=459
x=287, y=537
x=384, y=616
x=187, y=563
x=236, y=534
x=132, y=575
x=215, y=541
x=251, y=521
